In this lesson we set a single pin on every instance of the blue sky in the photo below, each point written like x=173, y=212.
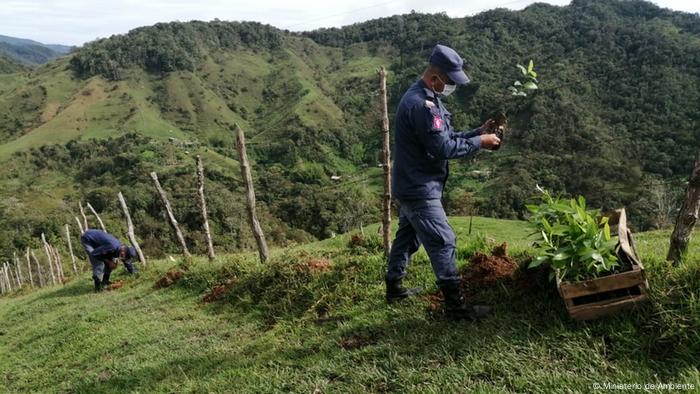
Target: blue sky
x=74, y=22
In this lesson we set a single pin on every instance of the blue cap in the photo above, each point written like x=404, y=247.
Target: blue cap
x=450, y=62
x=130, y=252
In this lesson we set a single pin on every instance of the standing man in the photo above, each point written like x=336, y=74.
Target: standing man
x=103, y=249
x=425, y=140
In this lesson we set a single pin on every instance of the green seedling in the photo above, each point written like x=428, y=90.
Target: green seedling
x=573, y=241
x=529, y=82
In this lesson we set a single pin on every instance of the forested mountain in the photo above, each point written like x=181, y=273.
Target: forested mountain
x=29, y=51
x=616, y=118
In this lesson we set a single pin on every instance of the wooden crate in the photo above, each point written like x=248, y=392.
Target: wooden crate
x=591, y=299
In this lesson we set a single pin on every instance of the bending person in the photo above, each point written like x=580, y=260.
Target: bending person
x=103, y=250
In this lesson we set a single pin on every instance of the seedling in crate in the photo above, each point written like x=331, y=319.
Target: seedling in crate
x=572, y=240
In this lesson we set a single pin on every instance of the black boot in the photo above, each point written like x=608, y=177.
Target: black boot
x=98, y=284
x=396, y=292
x=105, y=278
x=457, y=308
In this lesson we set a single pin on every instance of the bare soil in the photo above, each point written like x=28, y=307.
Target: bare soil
x=355, y=341
x=315, y=266
x=171, y=277
x=483, y=271
x=115, y=285
x=218, y=291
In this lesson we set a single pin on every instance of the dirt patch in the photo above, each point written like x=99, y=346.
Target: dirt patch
x=319, y=265
x=115, y=285
x=315, y=266
x=485, y=271
x=171, y=277
x=356, y=240
x=356, y=342
x=434, y=301
x=218, y=291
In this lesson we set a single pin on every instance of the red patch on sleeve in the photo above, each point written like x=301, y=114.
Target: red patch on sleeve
x=437, y=122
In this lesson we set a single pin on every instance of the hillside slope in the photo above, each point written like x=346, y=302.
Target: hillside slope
x=30, y=52
x=315, y=318
x=616, y=119
x=9, y=65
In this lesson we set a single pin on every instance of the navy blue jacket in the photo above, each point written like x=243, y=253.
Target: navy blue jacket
x=105, y=246
x=424, y=141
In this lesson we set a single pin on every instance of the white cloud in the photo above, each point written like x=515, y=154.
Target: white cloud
x=77, y=21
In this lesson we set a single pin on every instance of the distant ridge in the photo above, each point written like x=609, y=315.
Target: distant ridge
x=29, y=51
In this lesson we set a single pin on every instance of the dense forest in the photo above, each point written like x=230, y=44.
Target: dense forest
x=616, y=119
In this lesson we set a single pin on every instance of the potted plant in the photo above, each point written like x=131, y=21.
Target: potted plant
x=592, y=256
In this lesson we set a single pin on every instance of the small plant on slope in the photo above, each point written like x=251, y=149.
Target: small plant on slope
x=573, y=241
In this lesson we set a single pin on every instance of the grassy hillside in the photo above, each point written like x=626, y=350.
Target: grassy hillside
x=295, y=326
x=9, y=65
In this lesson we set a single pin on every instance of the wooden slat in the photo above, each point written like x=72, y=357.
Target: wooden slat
x=604, y=308
x=600, y=285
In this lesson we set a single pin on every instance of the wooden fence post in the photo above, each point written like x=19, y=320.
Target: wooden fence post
x=130, y=229
x=17, y=280
x=171, y=216
x=250, y=195
x=687, y=216
x=386, y=164
x=18, y=267
x=48, y=256
x=29, y=269
x=99, y=220
x=82, y=213
x=203, y=205
x=70, y=249
x=38, y=269
x=8, y=282
x=58, y=263
x=2, y=281
x=80, y=226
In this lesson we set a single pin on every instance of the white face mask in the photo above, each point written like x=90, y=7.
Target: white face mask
x=448, y=90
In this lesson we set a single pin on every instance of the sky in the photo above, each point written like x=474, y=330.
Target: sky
x=74, y=22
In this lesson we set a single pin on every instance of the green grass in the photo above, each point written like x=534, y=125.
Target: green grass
x=281, y=328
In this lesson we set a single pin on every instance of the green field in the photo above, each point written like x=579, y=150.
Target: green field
x=285, y=328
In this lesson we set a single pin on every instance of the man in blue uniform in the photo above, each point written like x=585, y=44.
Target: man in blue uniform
x=425, y=141
x=103, y=249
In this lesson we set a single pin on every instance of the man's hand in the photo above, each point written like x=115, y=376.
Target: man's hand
x=489, y=141
x=112, y=263
x=487, y=127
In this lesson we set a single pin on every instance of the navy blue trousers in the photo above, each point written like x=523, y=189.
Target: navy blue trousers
x=424, y=222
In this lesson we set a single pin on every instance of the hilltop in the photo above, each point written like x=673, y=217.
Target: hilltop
x=314, y=318
x=616, y=119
